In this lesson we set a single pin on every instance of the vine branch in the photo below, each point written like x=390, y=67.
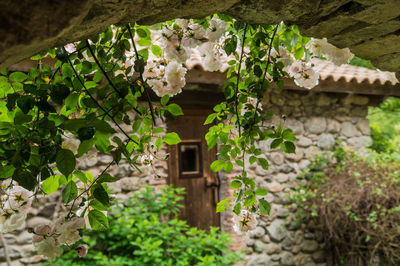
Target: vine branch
x=238, y=78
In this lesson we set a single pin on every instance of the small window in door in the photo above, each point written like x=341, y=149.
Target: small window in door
x=190, y=159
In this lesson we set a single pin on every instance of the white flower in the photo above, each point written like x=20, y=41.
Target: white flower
x=215, y=29
x=48, y=247
x=295, y=69
x=70, y=47
x=152, y=70
x=43, y=230
x=177, y=53
x=210, y=58
x=182, y=23
x=308, y=78
x=194, y=36
x=175, y=75
x=19, y=198
x=11, y=220
x=244, y=222
x=70, y=143
x=321, y=47
x=68, y=230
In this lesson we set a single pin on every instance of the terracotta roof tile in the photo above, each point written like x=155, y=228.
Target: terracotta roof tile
x=327, y=70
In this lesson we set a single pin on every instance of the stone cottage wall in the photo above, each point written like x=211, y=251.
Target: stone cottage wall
x=316, y=119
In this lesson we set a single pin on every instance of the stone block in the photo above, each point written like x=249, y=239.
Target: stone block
x=316, y=125
x=287, y=259
x=304, y=142
x=259, y=260
x=309, y=246
x=348, y=129
x=277, y=230
x=326, y=141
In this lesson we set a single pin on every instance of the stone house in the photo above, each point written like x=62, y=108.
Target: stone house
x=336, y=108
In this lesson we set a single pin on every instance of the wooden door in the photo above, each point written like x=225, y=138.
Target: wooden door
x=189, y=167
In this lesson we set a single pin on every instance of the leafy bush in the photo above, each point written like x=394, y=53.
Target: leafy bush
x=355, y=202
x=146, y=231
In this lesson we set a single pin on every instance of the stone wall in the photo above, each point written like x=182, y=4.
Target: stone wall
x=316, y=119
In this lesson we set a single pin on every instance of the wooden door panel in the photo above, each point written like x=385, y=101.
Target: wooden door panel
x=201, y=196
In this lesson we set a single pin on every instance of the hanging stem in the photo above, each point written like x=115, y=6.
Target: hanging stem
x=95, y=101
x=238, y=78
x=107, y=77
x=141, y=76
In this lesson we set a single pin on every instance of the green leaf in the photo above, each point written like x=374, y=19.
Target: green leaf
x=97, y=205
x=164, y=100
x=141, y=32
x=102, y=126
x=264, y=206
x=25, y=103
x=217, y=165
x=67, y=71
x=156, y=50
x=84, y=147
x=172, y=138
x=263, y=162
x=6, y=171
x=210, y=118
x=237, y=208
x=58, y=93
x=81, y=176
x=252, y=159
x=228, y=167
x=65, y=160
x=289, y=147
x=18, y=77
x=249, y=201
x=106, y=178
x=287, y=134
x=86, y=133
x=261, y=192
x=175, y=109
x=101, y=195
x=276, y=143
x=236, y=184
x=20, y=119
x=97, y=220
x=51, y=184
x=223, y=205
x=70, y=192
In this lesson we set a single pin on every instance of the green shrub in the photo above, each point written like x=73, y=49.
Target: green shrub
x=355, y=202
x=146, y=231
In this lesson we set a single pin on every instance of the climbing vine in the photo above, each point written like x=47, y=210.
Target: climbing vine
x=56, y=116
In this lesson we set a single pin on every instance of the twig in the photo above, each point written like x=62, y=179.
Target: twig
x=141, y=76
x=5, y=246
x=107, y=77
x=95, y=101
x=238, y=77
x=89, y=187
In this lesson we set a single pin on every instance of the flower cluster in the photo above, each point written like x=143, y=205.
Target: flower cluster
x=302, y=72
x=48, y=238
x=14, y=202
x=166, y=74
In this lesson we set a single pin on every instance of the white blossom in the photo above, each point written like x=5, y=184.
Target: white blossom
x=244, y=222
x=215, y=29
x=177, y=52
x=210, y=58
x=48, y=247
x=19, y=198
x=175, y=76
x=70, y=143
x=309, y=78
x=321, y=47
x=11, y=220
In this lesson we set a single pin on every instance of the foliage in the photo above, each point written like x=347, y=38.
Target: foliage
x=146, y=231
x=355, y=202
x=385, y=126
x=56, y=115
